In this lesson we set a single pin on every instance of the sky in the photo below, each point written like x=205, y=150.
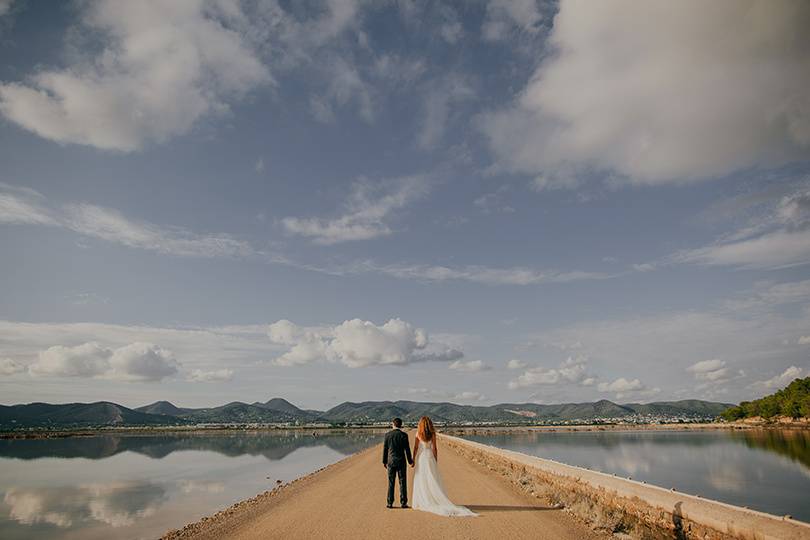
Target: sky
x=481, y=202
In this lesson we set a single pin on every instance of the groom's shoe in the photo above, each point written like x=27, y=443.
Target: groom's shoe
x=389, y=505
x=405, y=506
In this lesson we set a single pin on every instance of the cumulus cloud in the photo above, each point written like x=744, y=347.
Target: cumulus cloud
x=572, y=371
x=9, y=366
x=803, y=340
x=779, y=381
x=757, y=328
x=5, y=6
x=515, y=364
x=134, y=362
x=709, y=370
x=160, y=70
x=367, y=209
x=677, y=96
x=469, y=366
x=216, y=375
x=356, y=343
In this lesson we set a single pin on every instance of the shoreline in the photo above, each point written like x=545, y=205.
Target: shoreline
x=483, y=429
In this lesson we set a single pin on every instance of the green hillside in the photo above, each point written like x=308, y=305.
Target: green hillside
x=792, y=401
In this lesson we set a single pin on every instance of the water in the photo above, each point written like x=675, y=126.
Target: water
x=767, y=470
x=141, y=486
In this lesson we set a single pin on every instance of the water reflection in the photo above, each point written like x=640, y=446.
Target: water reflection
x=117, y=504
x=273, y=446
x=138, y=486
x=764, y=469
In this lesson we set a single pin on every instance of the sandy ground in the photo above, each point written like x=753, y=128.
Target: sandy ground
x=347, y=501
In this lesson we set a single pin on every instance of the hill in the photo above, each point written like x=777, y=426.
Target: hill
x=793, y=401
x=101, y=413
x=276, y=410
x=281, y=411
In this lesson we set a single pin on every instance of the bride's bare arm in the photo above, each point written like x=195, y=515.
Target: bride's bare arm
x=415, y=448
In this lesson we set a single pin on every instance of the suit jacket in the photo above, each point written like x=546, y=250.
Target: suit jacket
x=396, y=448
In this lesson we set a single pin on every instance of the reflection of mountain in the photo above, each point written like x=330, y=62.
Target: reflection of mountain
x=794, y=444
x=117, y=504
x=273, y=446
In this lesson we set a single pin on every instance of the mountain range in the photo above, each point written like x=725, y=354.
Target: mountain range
x=278, y=410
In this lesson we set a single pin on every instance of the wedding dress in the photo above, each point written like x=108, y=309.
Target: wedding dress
x=428, y=490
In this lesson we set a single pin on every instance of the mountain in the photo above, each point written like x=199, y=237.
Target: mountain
x=281, y=411
x=77, y=414
x=276, y=410
x=165, y=408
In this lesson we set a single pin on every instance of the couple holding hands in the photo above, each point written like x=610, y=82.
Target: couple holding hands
x=428, y=490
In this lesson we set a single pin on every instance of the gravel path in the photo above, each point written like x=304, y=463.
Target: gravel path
x=347, y=501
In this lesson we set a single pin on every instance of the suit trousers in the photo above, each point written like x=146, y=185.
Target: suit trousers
x=400, y=469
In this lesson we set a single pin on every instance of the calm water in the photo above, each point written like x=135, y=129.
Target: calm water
x=141, y=486
x=764, y=470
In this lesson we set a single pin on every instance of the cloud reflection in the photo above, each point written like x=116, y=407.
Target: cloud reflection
x=118, y=504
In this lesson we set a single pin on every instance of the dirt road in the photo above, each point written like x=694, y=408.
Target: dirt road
x=347, y=501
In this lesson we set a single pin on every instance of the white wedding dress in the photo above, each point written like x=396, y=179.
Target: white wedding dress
x=428, y=491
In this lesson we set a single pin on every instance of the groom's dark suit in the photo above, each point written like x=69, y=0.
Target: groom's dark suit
x=395, y=451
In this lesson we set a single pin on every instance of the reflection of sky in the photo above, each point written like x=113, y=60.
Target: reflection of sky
x=111, y=496
x=716, y=465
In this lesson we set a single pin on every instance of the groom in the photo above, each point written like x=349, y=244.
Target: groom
x=395, y=450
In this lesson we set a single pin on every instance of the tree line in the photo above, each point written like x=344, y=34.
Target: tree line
x=792, y=401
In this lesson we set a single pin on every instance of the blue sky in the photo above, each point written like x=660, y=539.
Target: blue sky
x=478, y=202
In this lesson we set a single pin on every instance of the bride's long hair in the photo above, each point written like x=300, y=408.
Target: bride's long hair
x=425, y=430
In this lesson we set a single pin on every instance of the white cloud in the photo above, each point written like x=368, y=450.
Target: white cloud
x=469, y=396
x=259, y=166
x=709, y=370
x=779, y=381
x=9, y=366
x=19, y=206
x=427, y=393
x=803, y=340
x=661, y=108
x=475, y=273
x=757, y=329
x=5, y=6
x=142, y=362
x=778, y=237
x=504, y=15
x=134, y=362
x=367, y=209
x=87, y=360
x=160, y=70
x=515, y=364
x=471, y=366
x=571, y=371
x=438, y=101
x=201, y=348
x=622, y=387
x=216, y=375
x=356, y=343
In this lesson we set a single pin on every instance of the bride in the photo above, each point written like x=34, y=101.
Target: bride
x=428, y=491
